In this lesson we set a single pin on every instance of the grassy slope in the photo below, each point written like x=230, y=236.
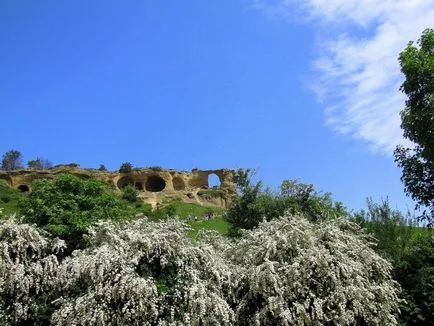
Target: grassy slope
x=185, y=209
x=9, y=199
x=217, y=224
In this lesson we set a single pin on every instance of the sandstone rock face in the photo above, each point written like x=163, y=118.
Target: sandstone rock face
x=154, y=185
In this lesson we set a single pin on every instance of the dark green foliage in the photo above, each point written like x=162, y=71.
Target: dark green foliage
x=12, y=160
x=417, y=64
x=410, y=248
x=68, y=166
x=390, y=227
x=67, y=205
x=253, y=205
x=102, y=167
x=126, y=167
x=303, y=198
x=244, y=212
x=163, y=212
x=170, y=210
x=129, y=193
x=144, y=208
x=415, y=273
x=39, y=164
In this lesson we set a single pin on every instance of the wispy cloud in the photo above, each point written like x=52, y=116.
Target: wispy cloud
x=357, y=74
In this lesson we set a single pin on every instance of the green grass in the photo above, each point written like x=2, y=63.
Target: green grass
x=211, y=192
x=217, y=224
x=9, y=199
x=185, y=209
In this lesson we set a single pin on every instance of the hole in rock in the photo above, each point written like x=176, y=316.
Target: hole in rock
x=23, y=188
x=214, y=181
x=155, y=184
x=124, y=182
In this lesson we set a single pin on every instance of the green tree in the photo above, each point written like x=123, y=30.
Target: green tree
x=67, y=205
x=253, y=205
x=410, y=248
x=39, y=164
x=126, y=167
x=243, y=213
x=12, y=160
x=315, y=205
x=102, y=167
x=417, y=163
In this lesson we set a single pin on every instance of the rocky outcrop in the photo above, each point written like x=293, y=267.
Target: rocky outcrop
x=154, y=185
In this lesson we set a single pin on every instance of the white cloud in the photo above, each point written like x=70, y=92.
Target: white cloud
x=358, y=74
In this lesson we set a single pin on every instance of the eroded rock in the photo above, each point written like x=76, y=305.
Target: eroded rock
x=154, y=186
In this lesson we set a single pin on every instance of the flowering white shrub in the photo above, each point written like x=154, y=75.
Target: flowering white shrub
x=28, y=267
x=286, y=272
x=300, y=273
x=147, y=274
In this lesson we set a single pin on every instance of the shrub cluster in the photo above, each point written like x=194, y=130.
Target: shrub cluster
x=285, y=272
x=67, y=205
x=129, y=193
x=253, y=205
x=410, y=249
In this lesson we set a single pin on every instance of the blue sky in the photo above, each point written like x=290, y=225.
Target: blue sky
x=279, y=86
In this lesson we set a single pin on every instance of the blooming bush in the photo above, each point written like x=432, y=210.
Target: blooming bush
x=28, y=269
x=300, y=273
x=285, y=272
x=144, y=273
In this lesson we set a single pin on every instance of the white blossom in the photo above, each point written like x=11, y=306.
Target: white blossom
x=300, y=273
x=286, y=272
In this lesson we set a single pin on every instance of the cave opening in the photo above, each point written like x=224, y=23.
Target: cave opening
x=155, y=184
x=123, y=182
x=23, y=188
x=139, y=185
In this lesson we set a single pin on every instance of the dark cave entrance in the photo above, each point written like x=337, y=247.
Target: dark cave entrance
x=23, y=188
x=155, y=184
x=139, y=185
x=123, y=182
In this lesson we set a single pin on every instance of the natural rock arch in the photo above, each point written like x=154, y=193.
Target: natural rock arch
x=154, y=183
x=214, y=180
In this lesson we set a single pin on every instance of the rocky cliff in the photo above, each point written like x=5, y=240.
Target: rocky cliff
x=153, y=185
